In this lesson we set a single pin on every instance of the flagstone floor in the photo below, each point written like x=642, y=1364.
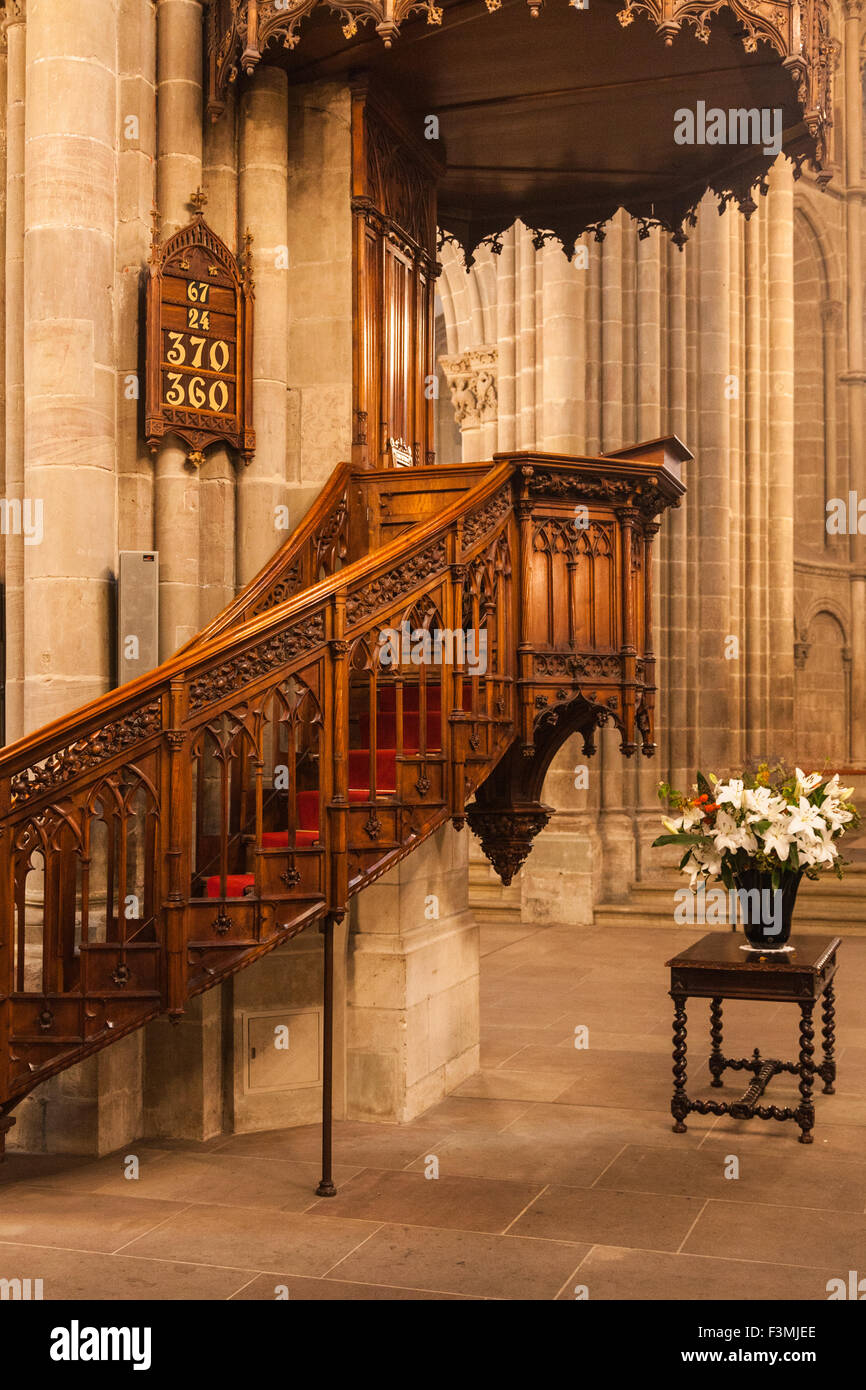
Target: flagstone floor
x=558, y=1170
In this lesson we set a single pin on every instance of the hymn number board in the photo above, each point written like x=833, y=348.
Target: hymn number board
x=199, y=378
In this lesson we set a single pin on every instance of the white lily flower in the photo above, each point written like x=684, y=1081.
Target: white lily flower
x=805, y=819
x=730, y=793
x=833, y=791
x=727, y=835
x=835, y=814
x=805, y=784
x=777, y=840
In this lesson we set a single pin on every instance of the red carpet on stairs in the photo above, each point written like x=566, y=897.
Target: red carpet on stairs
x=307, y=834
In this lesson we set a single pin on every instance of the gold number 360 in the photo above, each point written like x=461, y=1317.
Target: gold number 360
x=197, y=394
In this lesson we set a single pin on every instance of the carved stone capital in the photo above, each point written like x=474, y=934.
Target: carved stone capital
x=472, y=379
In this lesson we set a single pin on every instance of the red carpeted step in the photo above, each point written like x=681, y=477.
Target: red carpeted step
x=235, y=885
x=279, y=839
x=386, y=769
x=308, y=806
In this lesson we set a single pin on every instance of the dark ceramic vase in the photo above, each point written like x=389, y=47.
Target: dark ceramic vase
x=767, y=912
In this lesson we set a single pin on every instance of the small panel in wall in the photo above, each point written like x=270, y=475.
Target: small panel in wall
x=137, y=614
x=283, y=1050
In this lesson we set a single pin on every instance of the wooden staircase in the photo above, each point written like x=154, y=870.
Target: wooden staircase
x=180, y=827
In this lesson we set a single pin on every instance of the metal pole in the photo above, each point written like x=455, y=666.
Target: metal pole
x=326, y=1187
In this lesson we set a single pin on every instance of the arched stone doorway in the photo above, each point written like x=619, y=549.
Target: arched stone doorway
x=822, y=704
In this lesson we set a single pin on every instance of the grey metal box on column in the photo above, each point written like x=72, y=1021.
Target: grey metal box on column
x=137, y=614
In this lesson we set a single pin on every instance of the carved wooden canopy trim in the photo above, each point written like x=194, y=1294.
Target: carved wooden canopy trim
x=482, y=194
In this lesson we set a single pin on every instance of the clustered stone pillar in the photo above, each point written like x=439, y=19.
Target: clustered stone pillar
x=219, y=473
x=70, y=356
x=264, y=210
x=714, y=636
x=854, y=376
x=14, y=363
x=183, y=1083
x=780, y=564
x=69, y=352
x=135, y=165
x=179, y=174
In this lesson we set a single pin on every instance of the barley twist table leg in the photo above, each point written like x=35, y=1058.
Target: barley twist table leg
x=717, y=1063
x=805, y=1113
x=828, y=1033
x=680, y=1102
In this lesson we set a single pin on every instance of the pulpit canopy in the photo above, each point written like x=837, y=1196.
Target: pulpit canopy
x=559, y=113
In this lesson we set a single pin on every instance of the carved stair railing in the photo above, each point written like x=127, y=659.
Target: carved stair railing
x=175, y=830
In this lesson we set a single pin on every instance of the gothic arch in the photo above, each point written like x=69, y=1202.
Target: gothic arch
x=817, y=327
x=822, y=605
x=822, y=676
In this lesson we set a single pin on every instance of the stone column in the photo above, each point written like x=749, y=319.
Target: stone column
x=854, y=376
x=649, y=352
x=616, y=823
x=183, y=1095
x=563, y=380
x=856, y=190
x=505, y=338
x=556, y=882
x=780, y=567
x=3, y=145
x=217, y=476
x=710, y=535
x=526, y=340
x=674, y=702
x=264, y=121
x=70, y=357
x=179, y=174
x=69, y=352
x=320, y=288
x=14, y=363
x=755, y=422
x=136, y=194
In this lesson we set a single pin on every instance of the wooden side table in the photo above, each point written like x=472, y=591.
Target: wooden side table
x=716, y=968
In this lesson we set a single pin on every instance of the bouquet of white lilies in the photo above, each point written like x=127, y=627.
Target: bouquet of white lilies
x=784, y=825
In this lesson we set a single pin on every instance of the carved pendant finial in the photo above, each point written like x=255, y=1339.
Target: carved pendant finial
x=507, y=834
